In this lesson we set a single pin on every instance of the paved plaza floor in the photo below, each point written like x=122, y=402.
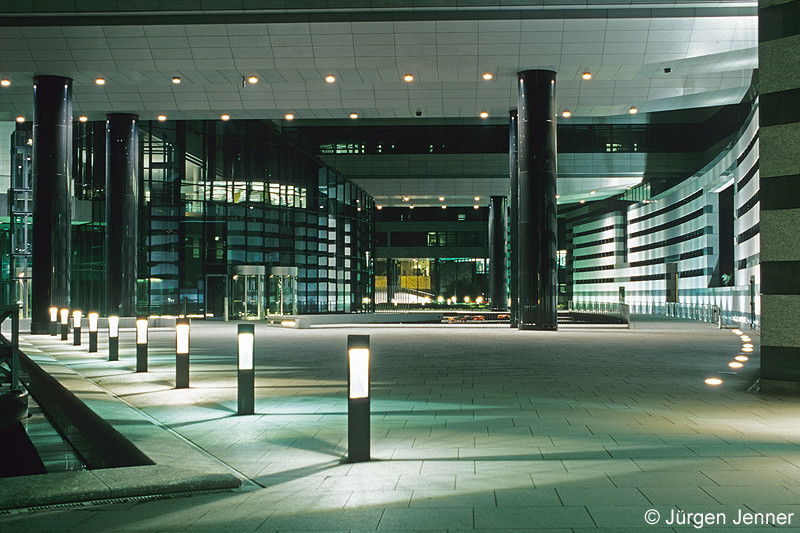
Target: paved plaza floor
x=474, y=428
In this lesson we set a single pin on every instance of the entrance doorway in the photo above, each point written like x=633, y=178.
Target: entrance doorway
x=216, y=296
x=283, y=291
x=247, y=292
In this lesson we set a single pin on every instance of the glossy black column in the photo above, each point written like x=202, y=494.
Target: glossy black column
x=498, y=268
x=52, y=197
x=513, y=252
x=122, y=212
x=537, y=224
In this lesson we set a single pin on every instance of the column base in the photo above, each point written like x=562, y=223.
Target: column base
x=538, y=327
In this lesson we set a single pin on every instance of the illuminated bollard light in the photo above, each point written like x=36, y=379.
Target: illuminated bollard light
x=246, y=336
x=64, y=323
x=94, y=318
x=54, y=321
x=182, y=353
x=358, y=398
x=113, y=338
x=141, y=344
x=76, y=327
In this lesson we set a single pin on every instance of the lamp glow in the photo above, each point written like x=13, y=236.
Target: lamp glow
x=54, y=320
x=359, y=372
x=737, y=331
x=735, y=364
x=113, y=326
x=742, y=358
x=713, y=381
x=182, y=337
x=747, y=345
x=76, y=318
x=246, y=376
x=64, y=317
x=94, y=318
x=182, y=353
x=745, y=338
x=141, y=330
x=246, y=345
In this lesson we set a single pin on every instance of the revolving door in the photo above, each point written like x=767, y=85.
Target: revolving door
x=248, y=292
x=283, y=291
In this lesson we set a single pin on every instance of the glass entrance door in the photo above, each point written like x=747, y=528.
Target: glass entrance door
x=247, y=296
x=283, y=291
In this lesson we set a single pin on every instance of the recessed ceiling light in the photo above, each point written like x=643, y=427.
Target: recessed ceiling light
x=484, y=114
x=633, y=111
x=354, y=115
x=20, y=119
x=583, y=201
x=444, y=207
x=100, y=81
x=408, y=77
x=406, y=198
x=592, y=192
x=586, y=75
x=252, y=79
x=566, y=113
x=441, y=198
x=378, y=206
x=558, y=196
x=411, y=206
x=225, y=117
x=487, y=76
x=83, y=118
x=176, y=80
x=477, y=198
x=330, y=78
x=476, y=207
x=5, y=82
x=289, y=116
x=162, y=118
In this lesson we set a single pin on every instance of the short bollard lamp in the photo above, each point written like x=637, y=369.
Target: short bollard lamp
x=54, y=321
x=64, y=316
x=94, y=318
x=113, y=338
x=182, y=353
x=76, y=327
x=358, y=398
x=141, y=344
x=246, y=336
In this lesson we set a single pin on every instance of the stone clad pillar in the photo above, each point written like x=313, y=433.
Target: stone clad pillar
x=513, y=252
x=498, y=286
x=537, y=222
x=52, y=197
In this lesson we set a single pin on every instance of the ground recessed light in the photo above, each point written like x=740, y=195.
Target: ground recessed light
x=100, y=81
x=558, y=196
x=411, y=206
x=633, y=111
x=745, y=338
x=406, y=198
x=5, y=82
x=742, y=358
x=487, y=76
x=225, y=117
x=586, y=75
x=477, y=198
x=252, y=79
x=379, y=207
x=476, y=207
x=289, y=116
x=408, y=77
x=566, y=113
x=713, y=381
x=83, y=118
x=735, y=364
x=484, y=114
x=20, y=119
x=592, y=192
x=176, y=80
x=444, y=207
x=354, y=115
x=747, y=345
x=583, y=201
x=330, y=78
x=162, y=118
x=748, y=350
x=737, y=331
x=441, y=198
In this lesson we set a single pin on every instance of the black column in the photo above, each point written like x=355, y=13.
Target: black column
x=52, y=197
x=122, y=212
x=513, y=252
x=498, y=268
x=537, y=225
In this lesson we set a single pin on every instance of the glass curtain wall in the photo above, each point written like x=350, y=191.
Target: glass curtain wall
x=218, y=196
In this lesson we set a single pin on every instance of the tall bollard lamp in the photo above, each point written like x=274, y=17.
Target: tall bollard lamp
x=141, y=344
x=113, y=338
x=54, y=321
x=64, y=315
x=358, y=398
x=94, y=318
x=76, y=327
x=182, y=353
x=246, y=336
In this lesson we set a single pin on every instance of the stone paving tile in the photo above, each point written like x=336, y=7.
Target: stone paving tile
x=424, y=518
x=539, y=517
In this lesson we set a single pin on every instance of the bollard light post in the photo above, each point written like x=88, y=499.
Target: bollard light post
x=141, y=344
x=113, y=338
x=54, y=321
x=94, y=318
x=245, y=338
x=358, y=445
x=64, y=315
x=182, y=353
x=76, y=327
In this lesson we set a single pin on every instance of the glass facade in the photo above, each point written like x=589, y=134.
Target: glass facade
x=218, y=200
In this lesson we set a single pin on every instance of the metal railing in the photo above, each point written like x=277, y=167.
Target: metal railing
x=611, y=309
